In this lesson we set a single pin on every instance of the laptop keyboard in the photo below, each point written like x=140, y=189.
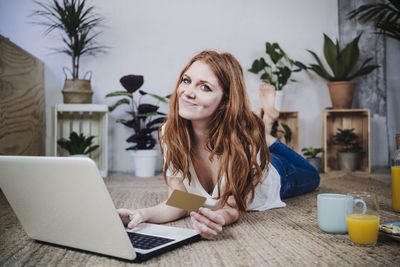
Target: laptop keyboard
x=147, y=241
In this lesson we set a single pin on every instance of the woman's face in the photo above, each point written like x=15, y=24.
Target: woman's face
x=199, y=93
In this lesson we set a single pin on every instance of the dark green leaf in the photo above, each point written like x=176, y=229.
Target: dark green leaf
x=118, y=103
x=119, y=93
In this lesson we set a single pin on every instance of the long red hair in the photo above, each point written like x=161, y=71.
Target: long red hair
x=236, y=134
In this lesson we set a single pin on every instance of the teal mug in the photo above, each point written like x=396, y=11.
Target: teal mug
x=333, y=209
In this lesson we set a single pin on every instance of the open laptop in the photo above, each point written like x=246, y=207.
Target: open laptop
x=64, y=201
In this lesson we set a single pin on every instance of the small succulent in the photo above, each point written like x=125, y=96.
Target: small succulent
x=311, y=152
x=78, y=144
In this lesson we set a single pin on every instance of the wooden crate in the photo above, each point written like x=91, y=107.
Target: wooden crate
x=291, y=119
x=89, y=119
x=359, y=119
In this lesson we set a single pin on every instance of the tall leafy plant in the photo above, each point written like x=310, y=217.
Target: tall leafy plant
x=385, y=17
x=143, y=118
x=77, y=23
x=278, y=67
x=342, y=62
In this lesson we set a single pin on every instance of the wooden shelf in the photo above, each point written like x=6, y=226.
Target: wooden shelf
x=89, y=119
x=359, y=119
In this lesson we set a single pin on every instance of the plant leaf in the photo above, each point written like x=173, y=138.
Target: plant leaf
x=348, y=59
x=319, y=68
x=119, y=93
x=118, y=103
x=331, y=54
x=132, y=82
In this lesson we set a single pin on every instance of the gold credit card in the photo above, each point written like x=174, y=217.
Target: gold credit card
x=186, y=201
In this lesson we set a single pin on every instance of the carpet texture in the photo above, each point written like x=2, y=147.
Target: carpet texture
x=281, y=237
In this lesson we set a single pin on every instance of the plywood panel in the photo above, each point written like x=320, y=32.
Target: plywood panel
x=22, y=102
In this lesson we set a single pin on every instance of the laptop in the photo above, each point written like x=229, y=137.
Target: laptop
x=64, y=201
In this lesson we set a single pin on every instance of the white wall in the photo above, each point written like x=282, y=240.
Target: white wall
x=156, y=38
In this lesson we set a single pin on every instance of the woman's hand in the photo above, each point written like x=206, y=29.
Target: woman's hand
x=130, y=218
x=207, y=223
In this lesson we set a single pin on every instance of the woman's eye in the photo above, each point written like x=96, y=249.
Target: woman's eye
x=205, y=87
x=185, y=80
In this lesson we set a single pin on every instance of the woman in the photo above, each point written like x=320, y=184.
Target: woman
x=215, y=146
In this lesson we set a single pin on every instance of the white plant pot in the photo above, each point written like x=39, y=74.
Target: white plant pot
x=144, y=162
x=79, y=156
x=279, y=99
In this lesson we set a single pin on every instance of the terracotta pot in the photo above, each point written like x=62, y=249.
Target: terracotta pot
x=341, y=94
x=77, y=91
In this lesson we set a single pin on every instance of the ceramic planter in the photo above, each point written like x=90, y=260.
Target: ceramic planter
x=341, y=94
x=347, y=161
x=315, y=162
x=279, y=99
x=144, y=162
x=77, y=91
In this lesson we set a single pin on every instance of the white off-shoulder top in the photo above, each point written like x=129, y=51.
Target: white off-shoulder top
x=267, y=192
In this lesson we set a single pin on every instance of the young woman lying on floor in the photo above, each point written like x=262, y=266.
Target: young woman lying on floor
x=215, y=146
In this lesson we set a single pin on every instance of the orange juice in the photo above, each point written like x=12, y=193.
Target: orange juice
x=396, y=188
x=363, y=229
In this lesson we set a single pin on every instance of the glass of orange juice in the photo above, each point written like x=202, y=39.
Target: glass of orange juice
x=363, y=219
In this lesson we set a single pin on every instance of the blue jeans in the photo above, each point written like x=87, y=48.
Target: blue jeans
x=297, y=175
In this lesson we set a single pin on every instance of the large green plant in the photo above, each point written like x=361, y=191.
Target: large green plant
x=385, y=17
x=77, y=144
x=342, y=62
x=278, y=68
x=77, y=23
x=143, y=118
x=348, y=140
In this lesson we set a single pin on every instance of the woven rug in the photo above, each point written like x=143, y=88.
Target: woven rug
x=281, y=237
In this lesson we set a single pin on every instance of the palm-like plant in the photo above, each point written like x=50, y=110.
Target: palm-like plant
x=348, y=140
x=144, y=118
x=385, y=17
x=77, y=23
x=77, y=144
x=341, y=61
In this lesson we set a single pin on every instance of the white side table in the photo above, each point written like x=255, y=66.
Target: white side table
x=89, y=119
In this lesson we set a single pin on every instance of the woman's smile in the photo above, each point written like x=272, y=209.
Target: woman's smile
x=199, y=92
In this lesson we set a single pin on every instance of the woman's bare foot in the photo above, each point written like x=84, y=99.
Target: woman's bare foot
x=269, y=114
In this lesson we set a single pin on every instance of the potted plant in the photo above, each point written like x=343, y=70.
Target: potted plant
x=78, y=144
x=144, y=119
x=281, y=131
x=342, y=63
x=348, y=155
x=77, y=23
x=276, y=70
x=311, y=156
